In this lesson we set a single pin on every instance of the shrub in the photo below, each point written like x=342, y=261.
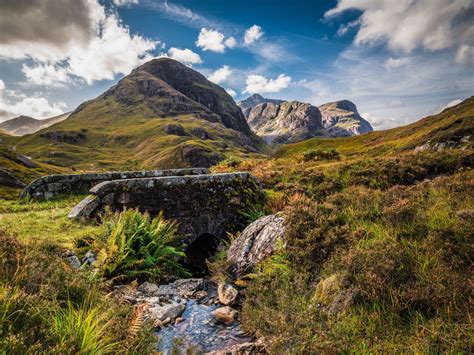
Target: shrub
x=254, y=212
x=136, y=246
x=321, y=154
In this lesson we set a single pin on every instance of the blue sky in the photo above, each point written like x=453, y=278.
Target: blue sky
x=397, y=60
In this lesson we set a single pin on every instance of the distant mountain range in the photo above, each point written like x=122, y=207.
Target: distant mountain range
x=279, y=121
x=21, y=125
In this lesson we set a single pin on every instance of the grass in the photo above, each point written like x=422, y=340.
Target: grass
x=371, y=270
x=46, y=307
x=44, y=221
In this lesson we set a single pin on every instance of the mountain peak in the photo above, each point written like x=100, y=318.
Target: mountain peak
x=345, y=105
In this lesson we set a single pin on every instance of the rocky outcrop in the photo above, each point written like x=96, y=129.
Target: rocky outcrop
x=455, y=142
x=8, y=179
x=70, y=137
x=342, y=119
x=50, y=186
x=255, y=243
x=254, y=100
x=203, y=204
x=269, y=119
x=286, y=122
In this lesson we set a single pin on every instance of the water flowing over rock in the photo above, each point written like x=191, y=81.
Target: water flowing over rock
x=255, y=243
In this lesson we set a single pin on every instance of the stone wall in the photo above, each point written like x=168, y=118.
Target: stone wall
x=50, y=186
x=201, y=204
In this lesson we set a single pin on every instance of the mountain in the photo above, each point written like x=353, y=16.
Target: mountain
x=21, y=125
x=163, y=114
x=342, y=119
x=286, y=122
x=254, y=100
x=452, y=128
x=339, y=119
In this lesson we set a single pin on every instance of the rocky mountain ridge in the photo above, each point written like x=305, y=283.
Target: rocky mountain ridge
x=267, y=118
x=286, y=122
x=342, y=119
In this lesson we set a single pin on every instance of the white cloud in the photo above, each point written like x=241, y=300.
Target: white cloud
x=125, y=2
x=343, y=29
x=395, y=103
x=231, y=92
x=260, y=84
x=392, y=63
x=220, y=74
x=2, y=85
x=214, y=41
x=230, y=42
x=186, y=56
x=15, y=104
x=46, y=74
x=252, y=34
x=359, y=75
x=407, y=25
x=210, y=40
x=451, y=104
x=182, y=14
x=109, y=50
x=465, y=55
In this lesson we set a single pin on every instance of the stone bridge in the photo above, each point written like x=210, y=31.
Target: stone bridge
x=50, y=186
x=203, y=205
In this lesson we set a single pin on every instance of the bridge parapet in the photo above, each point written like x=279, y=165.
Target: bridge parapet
x=201, y=204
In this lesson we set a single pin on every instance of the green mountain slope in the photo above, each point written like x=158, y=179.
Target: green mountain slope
x=163, y=114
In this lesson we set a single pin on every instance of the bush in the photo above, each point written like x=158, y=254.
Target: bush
x=321, y=154
x=136, y=246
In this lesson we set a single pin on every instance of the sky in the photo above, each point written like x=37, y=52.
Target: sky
x=397, y=60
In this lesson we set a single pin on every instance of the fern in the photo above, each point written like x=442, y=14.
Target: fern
x=136, y=246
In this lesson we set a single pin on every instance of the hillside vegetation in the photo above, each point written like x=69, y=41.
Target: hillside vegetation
x=378, y=248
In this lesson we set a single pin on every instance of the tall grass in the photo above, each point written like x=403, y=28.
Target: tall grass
x=47, y=307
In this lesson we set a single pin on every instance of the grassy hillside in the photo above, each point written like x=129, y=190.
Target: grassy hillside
x=378, y=250
x=20, y=168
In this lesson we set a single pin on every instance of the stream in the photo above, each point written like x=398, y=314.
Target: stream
x=199, y=332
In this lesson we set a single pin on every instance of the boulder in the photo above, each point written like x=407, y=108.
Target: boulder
x=334, y=294
x=171, y=310
x=183, y=287
x=148, y=288
x=227, y=294
x=72, y=259
x=246, y=348
x=225, y=315
x=255, y=243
